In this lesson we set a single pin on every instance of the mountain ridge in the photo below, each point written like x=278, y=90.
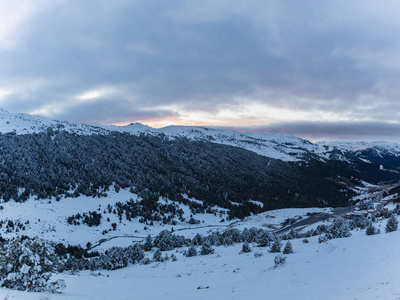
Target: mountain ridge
x=275, y=145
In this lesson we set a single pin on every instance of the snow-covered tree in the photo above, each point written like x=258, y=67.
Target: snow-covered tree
x=371, y=230
x=340, y=228
x=288, y=249
x=26, y=264
x=157, y=256
x=148, y=243
x=263, y=238
x=391, y=224
x=276, y=246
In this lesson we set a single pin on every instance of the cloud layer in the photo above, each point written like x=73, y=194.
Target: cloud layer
x=219, y=63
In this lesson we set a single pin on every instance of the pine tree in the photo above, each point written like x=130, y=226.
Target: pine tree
x=371, y=230
x=276, y=246
x=392, y=224
x=288, y=248
x=157, y=255
x=148, y=244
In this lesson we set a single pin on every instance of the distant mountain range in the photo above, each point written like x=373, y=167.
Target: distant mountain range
x=242, y=172
x=280, y=146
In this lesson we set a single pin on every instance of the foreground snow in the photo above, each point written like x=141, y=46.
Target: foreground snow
x=358, y=267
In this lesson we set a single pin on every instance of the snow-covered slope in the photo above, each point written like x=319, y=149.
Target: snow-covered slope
x=24, y=124
x=357, y=267
x=387, y=153
x=361, y=145
x=274, y=145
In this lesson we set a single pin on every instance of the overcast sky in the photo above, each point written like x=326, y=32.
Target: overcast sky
x=317, y=69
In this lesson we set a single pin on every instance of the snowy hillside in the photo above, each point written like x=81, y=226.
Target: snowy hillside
x=315, y=269
x=274, y=145
x=24, y=124
x=386, y=153
x=360, y=145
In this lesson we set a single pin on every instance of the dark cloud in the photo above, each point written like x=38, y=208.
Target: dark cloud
x=331, y=59
x=318, y=131
x=105, y=110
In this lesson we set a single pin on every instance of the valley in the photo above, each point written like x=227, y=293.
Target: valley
x=105, y=212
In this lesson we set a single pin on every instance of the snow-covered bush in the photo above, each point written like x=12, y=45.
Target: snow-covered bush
x=165, y=241
x=206, y=249
x=26, y=265
x=246, y=247
x=340, y=228
x=360, y=222
x=279, y=261
x=192, y=251
x=115, y=258
x=198, y=239
x=257, y=254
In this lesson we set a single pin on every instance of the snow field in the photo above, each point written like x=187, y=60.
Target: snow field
x=358, y=267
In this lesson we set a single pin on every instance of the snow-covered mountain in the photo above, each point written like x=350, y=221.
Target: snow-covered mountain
x=274, y=145
x=19, y=123
x=280, y=146
x=385, y=153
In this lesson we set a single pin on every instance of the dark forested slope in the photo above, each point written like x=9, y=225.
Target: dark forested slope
x=59, y=163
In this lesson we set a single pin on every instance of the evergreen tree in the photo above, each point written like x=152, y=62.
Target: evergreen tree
x=288, y=248
x=371, y=230
x=263, y=238
x=157, y=256
x=392, y=224
x=148, y=244
x=276, y=246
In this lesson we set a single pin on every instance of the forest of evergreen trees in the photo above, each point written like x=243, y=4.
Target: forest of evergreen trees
x=57, y=164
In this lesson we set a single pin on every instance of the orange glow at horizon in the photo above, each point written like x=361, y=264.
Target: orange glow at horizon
x=163, y=122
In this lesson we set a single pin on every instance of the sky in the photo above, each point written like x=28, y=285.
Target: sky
x=316, y=69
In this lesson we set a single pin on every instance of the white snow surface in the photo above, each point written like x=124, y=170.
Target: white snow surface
x=23, y=124
x=380, y=147
x=358, y=267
